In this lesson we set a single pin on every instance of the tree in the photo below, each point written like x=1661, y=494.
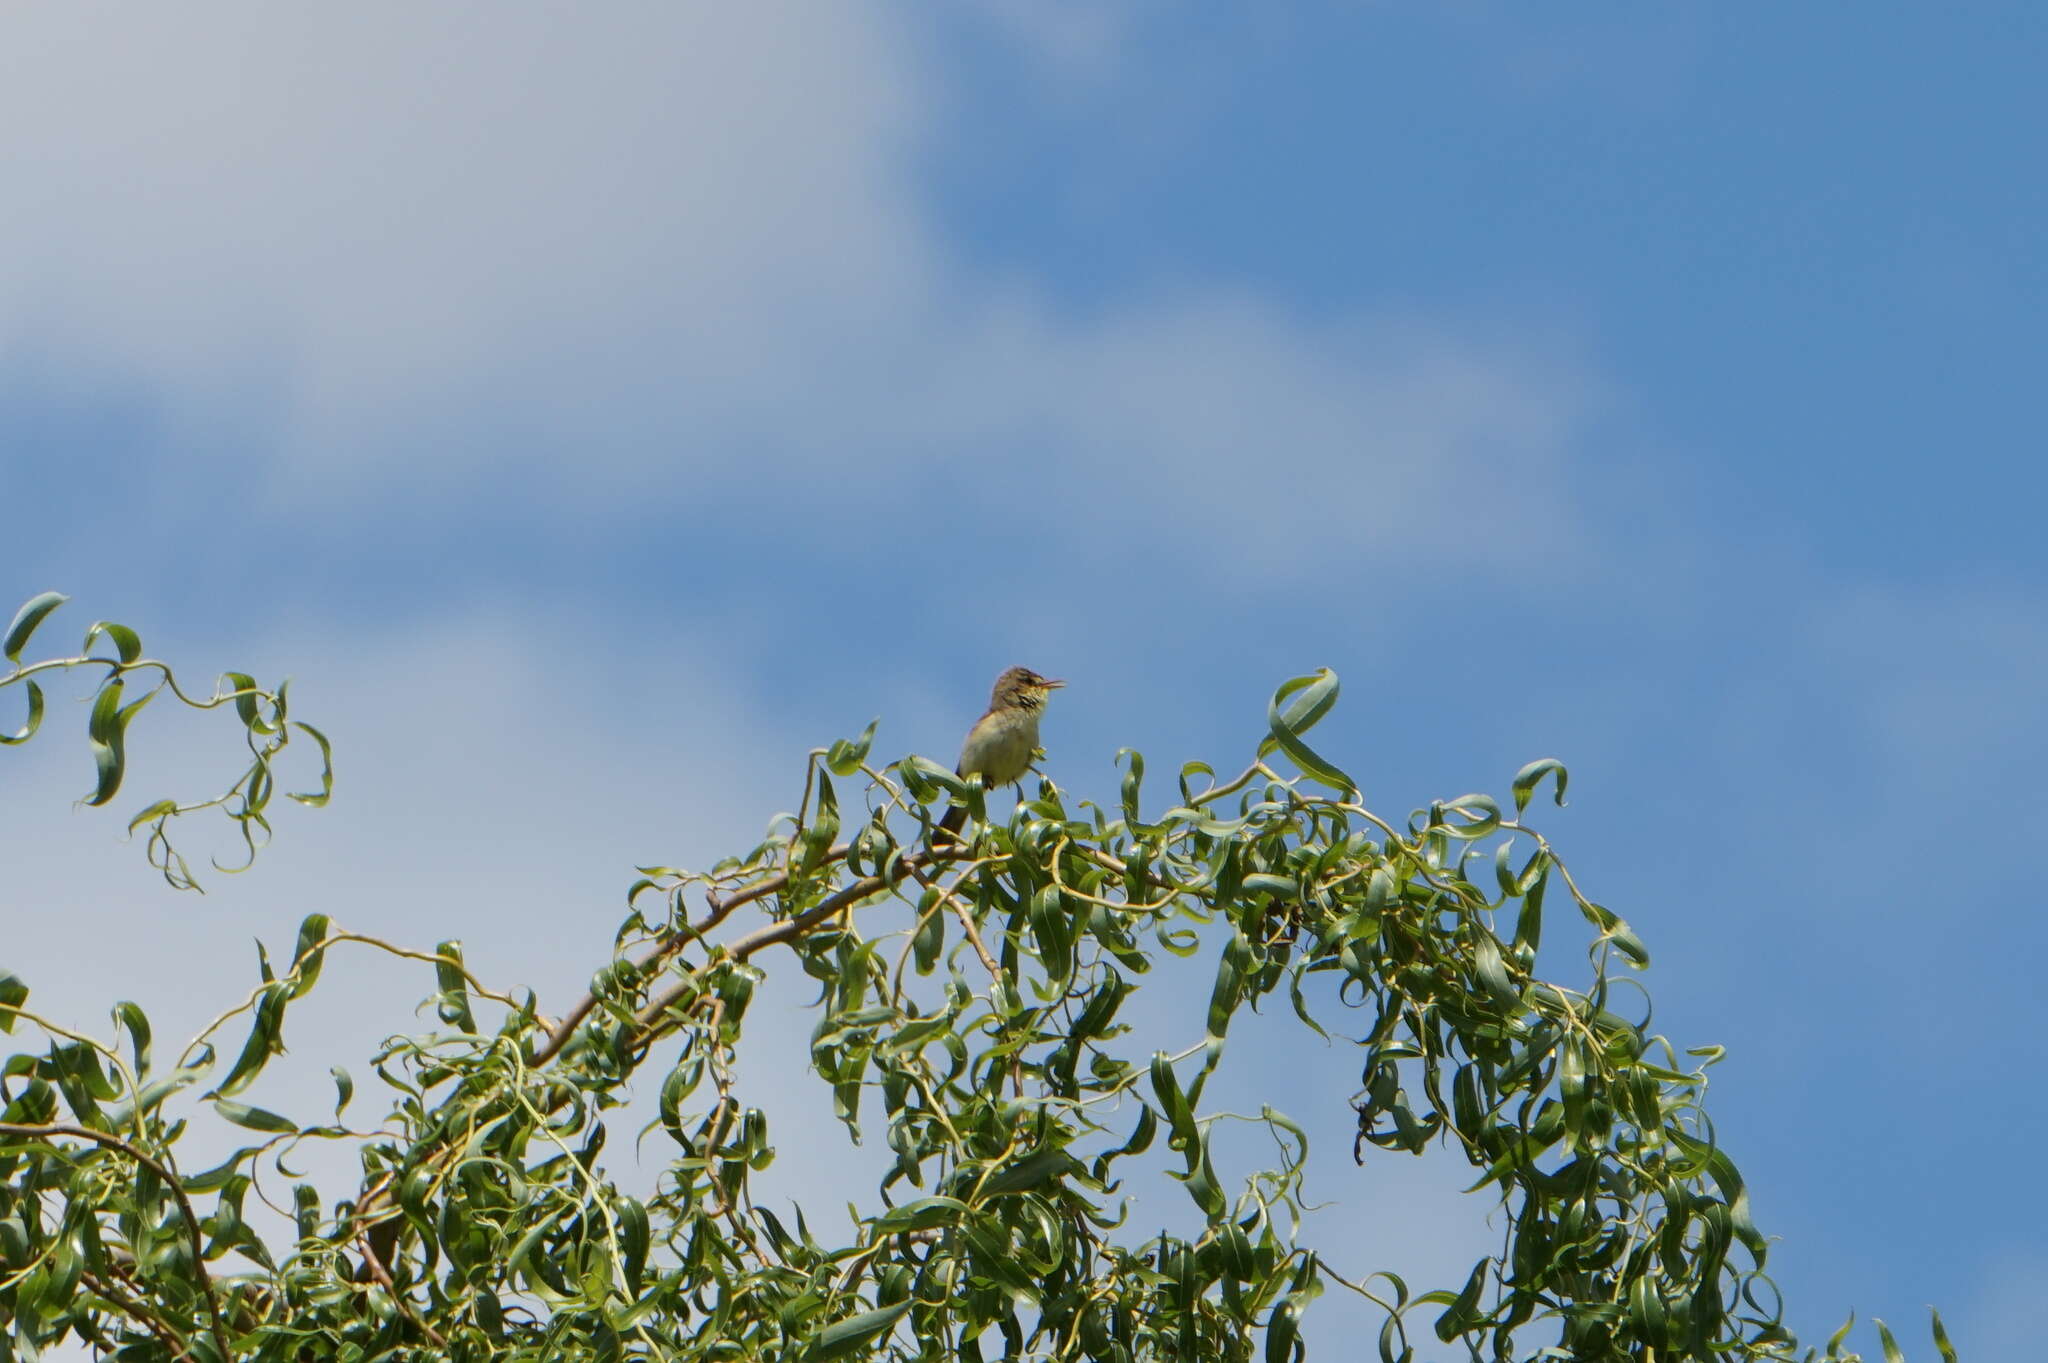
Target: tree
x=969, y=1001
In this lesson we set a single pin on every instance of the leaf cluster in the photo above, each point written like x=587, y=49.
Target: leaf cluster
x=126, y=683
x=973, y=1006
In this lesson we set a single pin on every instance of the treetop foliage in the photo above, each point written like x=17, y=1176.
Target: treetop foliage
x=971, y=1002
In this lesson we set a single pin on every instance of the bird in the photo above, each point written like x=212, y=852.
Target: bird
x=1000, y=746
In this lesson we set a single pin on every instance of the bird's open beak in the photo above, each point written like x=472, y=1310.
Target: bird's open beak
x=1050, y=684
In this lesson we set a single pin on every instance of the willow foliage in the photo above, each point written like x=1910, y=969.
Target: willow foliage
x=970, y=1008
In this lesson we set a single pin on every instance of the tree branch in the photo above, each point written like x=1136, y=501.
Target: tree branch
x=722, y=908
x=164, y=1333
x=787, y=929
x=383, y=1277
x=171, y=1181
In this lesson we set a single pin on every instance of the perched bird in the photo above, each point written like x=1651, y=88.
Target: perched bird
x=1000, y=746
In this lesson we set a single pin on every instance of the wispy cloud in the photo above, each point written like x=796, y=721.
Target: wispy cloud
x=657, y=250
x=410, y=205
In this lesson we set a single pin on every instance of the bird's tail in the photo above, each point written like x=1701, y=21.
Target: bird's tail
x=949, y=827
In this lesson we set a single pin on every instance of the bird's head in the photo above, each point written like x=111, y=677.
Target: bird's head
x=1022, y=686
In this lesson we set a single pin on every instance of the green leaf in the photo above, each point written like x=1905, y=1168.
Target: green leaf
x=1180, y=1118
x=218, y=1177
x=1941, y=1344
x=845, y=758
x=1202, y=1185
x=1722, y=1170
x=127, y=644
x=81, y=1080
x=1133, y=781
x=25, y=621
x=1140, y=1140
x=1316, y=694
x=34, y=720
x=265, y=1039
x=247, y=694
x=926, y=1213
x=309, y=953
x=824, y=826
x=1052, y=930
x=635, y=1236
x=1102, y=1005
x=13, y=993
x=1481, y=816
x=317, y=798
x=930, y=939
x=1646, y=1311
x=453, y=1007
x=131, y=1017
x=105, y=734
x=1032, y=1172
x=1283, y=1334
x=1228, y=991
x=255, y=1118
x=150, y=1098
x=1464, y=1309
x=161, y=809
x=843, y=1337
x=1529, y=918
x=517, y=1262
x=1528, y=777
x=1629, y=945
x=1492, y=971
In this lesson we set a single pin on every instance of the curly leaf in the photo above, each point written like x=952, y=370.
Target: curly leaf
x=1313, y=696
x=35, y=717
x=32, y=613
x=1528, y=777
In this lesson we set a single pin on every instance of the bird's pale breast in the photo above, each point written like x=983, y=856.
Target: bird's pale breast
x=1000, y=747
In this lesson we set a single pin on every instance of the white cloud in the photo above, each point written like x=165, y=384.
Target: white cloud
x=644, y=250
x=1224, y=415
x=399, y=202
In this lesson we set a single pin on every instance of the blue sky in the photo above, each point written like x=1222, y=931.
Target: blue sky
x=607, y=407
